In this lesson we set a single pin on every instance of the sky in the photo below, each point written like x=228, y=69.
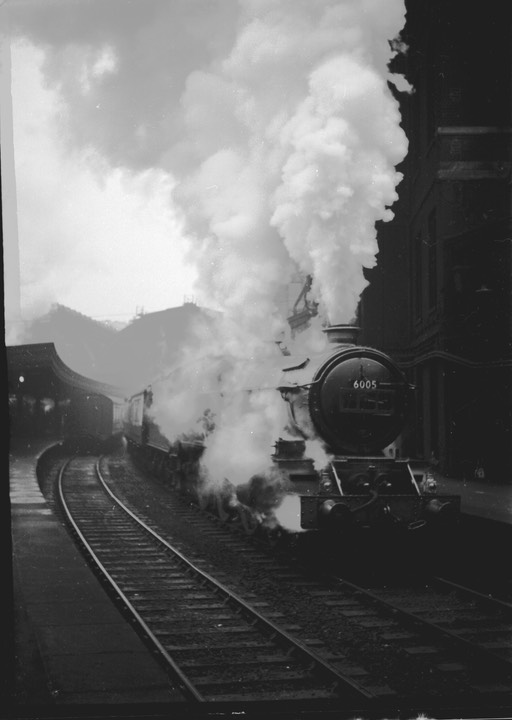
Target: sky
x=206, y=149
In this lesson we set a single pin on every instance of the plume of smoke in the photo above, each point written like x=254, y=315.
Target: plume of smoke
x=227, y=400
x=311, y=340
x=284, y=152
x=290, y=158
x=287, y=513
x=274, y=116
x=305, y=143
x=191, y=387
x=339, y=179
x=316, y=451
x=243, y=441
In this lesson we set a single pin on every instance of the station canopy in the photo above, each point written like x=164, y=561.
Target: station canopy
x=36, y=369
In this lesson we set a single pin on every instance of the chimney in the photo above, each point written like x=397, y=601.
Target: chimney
x=342, y=334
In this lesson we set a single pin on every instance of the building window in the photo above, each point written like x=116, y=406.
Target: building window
x=432, y=260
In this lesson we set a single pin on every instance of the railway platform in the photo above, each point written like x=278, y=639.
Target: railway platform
x=71, y=645
x=480, y=498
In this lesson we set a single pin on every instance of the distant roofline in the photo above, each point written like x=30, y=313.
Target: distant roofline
x=187, y=305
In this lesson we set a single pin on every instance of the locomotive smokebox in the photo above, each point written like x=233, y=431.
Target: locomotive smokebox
x=342, y=334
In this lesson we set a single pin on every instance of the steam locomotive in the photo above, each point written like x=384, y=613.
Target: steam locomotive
x=353, y=400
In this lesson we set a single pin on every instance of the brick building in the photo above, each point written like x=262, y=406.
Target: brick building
x=439, y=298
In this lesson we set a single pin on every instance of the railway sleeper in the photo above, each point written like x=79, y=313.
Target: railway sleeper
x=254, y=660
x=229, y=647
x=279, y=696
x=206, y=607
x=178, y=618
x=144, y=588
x=160, y=577
x=481, y=633
x=181, y=600
x=190, y=594
x=263, y=677
x=218, y=629
x=143, y=594
x=146, y=565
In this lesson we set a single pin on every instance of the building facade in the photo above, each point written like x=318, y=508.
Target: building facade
x=439, y=299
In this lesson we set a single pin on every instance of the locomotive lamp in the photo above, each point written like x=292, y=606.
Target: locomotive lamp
x=325, y=481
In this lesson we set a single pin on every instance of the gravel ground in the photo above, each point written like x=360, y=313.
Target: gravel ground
x=373, y=662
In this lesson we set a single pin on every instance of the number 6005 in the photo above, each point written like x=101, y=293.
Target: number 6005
x=365, y=384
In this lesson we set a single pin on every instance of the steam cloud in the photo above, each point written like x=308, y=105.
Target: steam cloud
x=294, y=138
x=293, y=142
x=281, y=135
x=290, y=170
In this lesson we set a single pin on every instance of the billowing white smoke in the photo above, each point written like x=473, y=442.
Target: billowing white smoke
x=284, y=145
x=242, y=442
x=224, y=390
x=294, y=139
x=293, y=143
x=273, y=117
x=339, y=179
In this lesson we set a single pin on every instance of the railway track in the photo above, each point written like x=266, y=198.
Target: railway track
x=450, y=629
x=443, y=628
x=464, y=633
x=451, y=640
x=214, y=644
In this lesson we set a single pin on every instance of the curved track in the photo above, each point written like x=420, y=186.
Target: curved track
x=210, y=640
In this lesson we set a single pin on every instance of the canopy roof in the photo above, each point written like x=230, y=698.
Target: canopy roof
x=46, y=375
